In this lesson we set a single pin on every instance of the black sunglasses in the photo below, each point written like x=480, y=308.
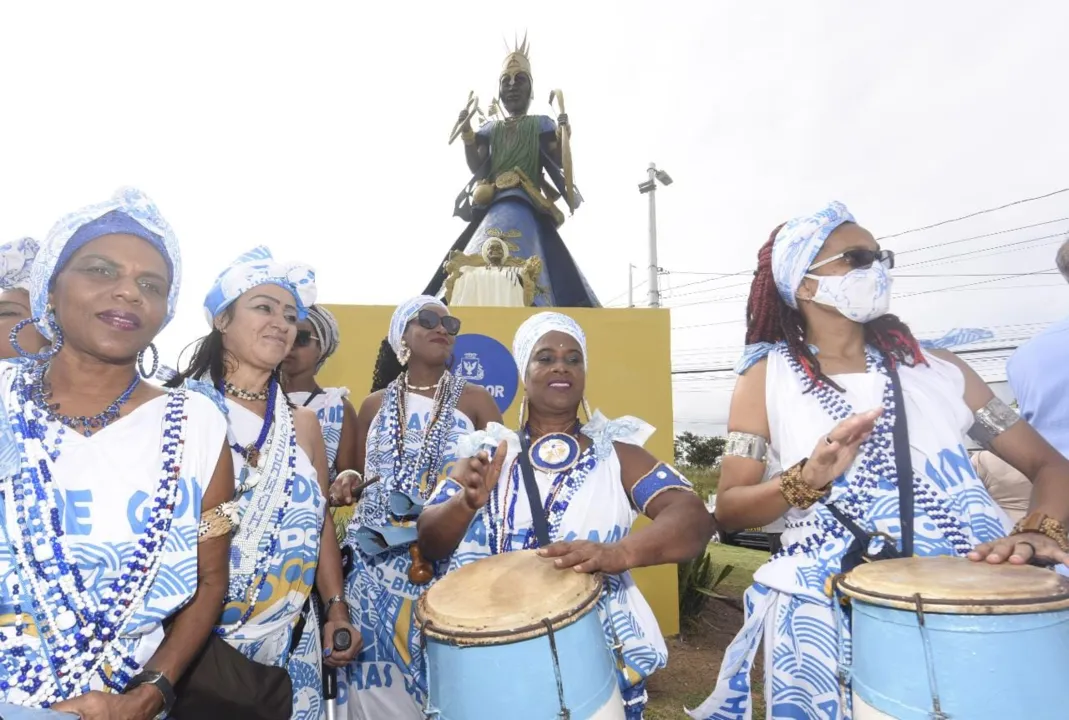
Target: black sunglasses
x=304, y=338
x=429, y=319
x=861, y=258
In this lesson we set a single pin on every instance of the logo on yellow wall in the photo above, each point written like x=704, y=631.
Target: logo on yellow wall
x=482, y=360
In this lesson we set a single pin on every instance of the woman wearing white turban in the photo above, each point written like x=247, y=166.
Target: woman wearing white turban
x=16, y=258
x=104, y=479
x=285, y=543
x=409, y=430
x=827, y=376
x=594, y=480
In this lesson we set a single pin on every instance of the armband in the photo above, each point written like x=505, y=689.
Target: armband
x=746, y=445
x=992, y=420
x=222, y=519
x=658, y=480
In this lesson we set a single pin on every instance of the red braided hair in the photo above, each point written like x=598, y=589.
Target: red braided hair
x=770, y=319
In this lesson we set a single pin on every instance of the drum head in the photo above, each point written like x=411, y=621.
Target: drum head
x=505, y=598
x=954, y=585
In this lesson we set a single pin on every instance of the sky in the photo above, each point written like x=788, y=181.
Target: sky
x=320, y=130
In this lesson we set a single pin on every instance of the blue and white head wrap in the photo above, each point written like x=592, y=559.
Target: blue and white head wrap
x=258, y=267
x=16, y=260
x=327, y=330
x=128, y=212
x=404, y=314
x=798, y=243
x=535, y=328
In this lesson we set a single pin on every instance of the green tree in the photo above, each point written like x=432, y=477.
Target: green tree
x=698, y=450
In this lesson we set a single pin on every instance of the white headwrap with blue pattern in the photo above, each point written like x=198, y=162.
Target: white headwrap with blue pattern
x=259, y=267
x=57, y=248
x=404, y=314
x=796, y=245
x=16, y=260
x=798, y=242
x=535, y=328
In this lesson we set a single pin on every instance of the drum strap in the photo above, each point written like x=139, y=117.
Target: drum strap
x=904, y=471
x=538, y=516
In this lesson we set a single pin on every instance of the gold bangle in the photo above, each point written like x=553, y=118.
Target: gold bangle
x=468, y=137
x=1044, y=525
x=794, y=488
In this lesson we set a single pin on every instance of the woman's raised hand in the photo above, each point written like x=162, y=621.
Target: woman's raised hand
x=479, y=476
x=835, y=452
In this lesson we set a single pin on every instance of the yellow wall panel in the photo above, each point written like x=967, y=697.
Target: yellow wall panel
x=630, y=374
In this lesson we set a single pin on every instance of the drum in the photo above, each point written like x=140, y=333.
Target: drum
x=944, y=637
x=511, y=636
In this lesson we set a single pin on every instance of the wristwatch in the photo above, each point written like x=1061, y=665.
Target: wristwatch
x=160, y=682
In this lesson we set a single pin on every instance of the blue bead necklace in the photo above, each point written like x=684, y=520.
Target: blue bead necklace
x=251, y=453
x=85, y=424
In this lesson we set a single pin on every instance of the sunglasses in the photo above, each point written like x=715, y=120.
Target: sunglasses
x=429, y=320
x=304, y=338
x=860, y=258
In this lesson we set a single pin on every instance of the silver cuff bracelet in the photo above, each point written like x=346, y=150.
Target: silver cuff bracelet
x=992, y=420
x=746, y=445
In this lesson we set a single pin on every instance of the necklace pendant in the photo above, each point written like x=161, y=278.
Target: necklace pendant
x=252, y=456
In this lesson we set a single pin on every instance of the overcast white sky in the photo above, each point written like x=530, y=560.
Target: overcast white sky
x=319, y=129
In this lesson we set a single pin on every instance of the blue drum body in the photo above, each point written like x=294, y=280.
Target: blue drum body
x=485, y=670
x=994, y=641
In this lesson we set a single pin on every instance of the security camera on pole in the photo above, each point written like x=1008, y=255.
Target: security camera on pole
x=650, y=188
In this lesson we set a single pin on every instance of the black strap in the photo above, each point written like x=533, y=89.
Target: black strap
x=903, y=464
x=312, y=396
x=538, y=517
x=904, y=473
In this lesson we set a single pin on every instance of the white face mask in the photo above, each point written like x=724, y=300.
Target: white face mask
x=861, y=295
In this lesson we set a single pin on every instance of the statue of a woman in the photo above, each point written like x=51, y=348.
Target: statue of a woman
x=516, y=163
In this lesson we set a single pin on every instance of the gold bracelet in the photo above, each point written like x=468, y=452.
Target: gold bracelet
x=468, y=137
x=1037, y=522
x=218, y=521
x=794, y=488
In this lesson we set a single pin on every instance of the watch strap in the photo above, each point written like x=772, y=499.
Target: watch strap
x=159, y=681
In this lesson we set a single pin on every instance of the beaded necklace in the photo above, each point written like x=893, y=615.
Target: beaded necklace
x=251, y=452
x=85, y=424
x=853, y=495
x=501, y=512
x=261, y=520
x=434, y=434
x=232, y=390
x=79, y=638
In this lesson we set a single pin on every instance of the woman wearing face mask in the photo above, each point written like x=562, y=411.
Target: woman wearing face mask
x=407, y=434
x=826, y=375
x=285, y=542
x=16, y=259
x=104, y=479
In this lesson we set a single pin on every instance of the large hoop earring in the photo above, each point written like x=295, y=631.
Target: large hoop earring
x=523, y=411
x=404, y=354
x=155, y=361
x=46, y=355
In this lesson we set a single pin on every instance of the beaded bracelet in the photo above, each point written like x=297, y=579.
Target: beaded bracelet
x=794, y=489
x=1044, y=525
x=218, y=521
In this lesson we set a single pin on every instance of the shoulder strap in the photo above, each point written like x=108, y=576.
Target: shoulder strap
x=538, y=517
x=312, y=396
x=903, y=463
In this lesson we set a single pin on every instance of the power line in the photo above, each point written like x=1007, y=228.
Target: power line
x=974, y=214
x=731, y=368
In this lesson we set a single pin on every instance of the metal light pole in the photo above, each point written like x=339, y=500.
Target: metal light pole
x=650, y=188
x=630, y=285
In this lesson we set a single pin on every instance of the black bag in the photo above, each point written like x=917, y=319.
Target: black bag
x=223, y=684
x=858, y=552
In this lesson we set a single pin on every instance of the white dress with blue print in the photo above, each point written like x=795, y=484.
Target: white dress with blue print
x=105, y=484
x=329, y=407
x=267, y=635
x=787, y=608
x=597, y=508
